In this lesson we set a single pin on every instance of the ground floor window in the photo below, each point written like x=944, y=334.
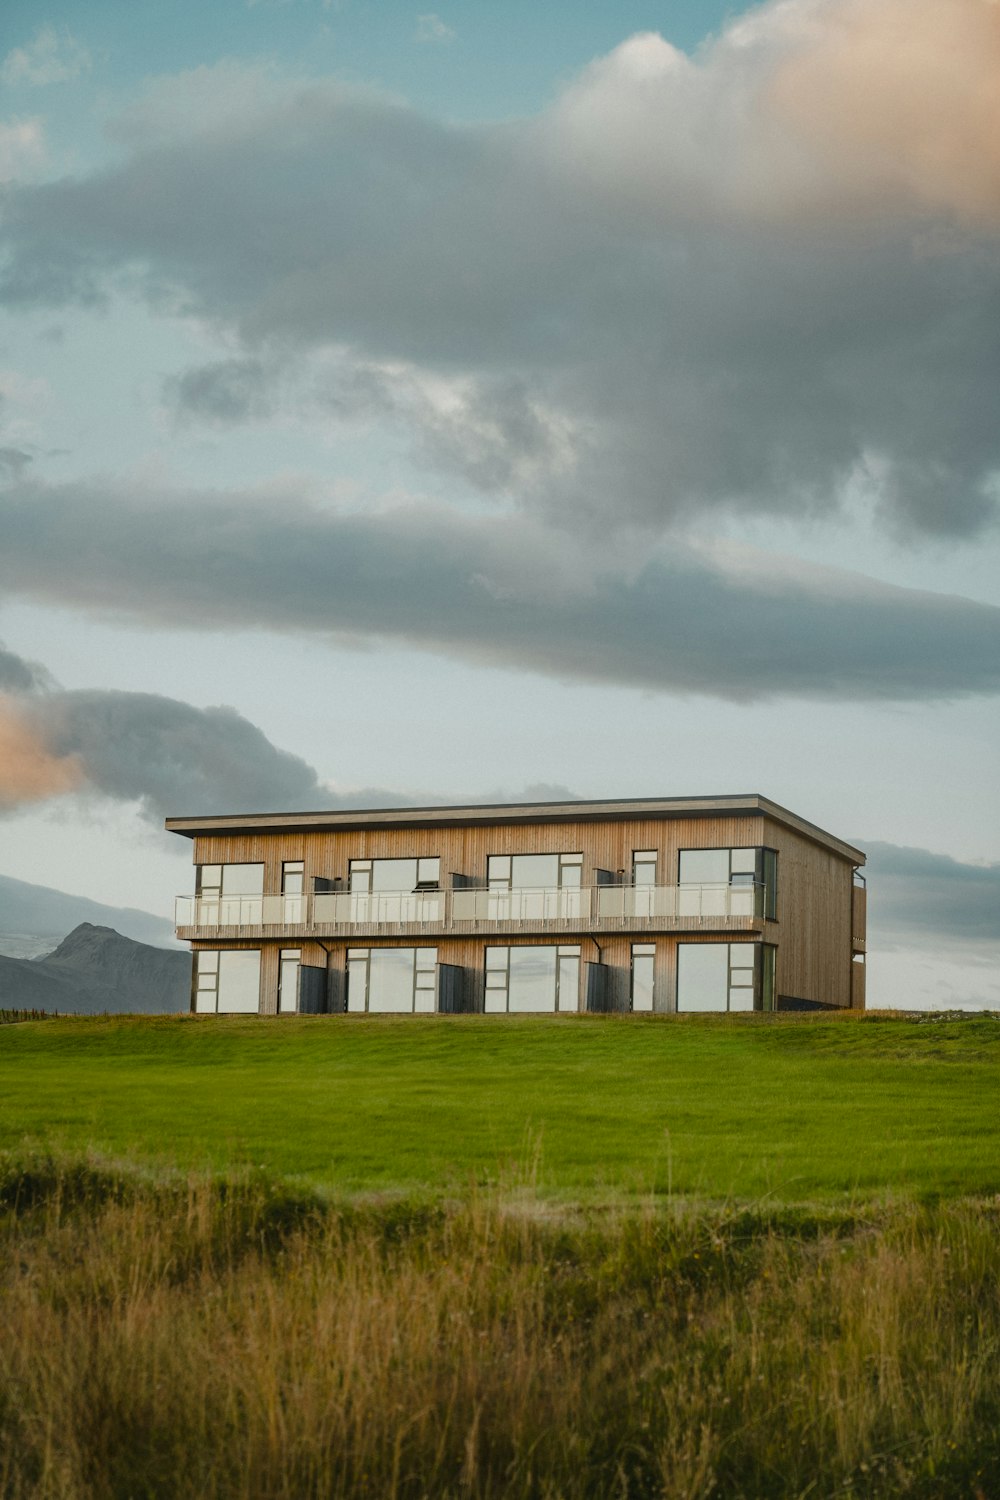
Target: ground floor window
x=643, y=967
x=533, y=978
x=718, y=976
x=228, y=980
x=382, y=980
x=288, y=980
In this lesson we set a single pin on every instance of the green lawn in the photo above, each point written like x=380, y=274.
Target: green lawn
x=797, y=1109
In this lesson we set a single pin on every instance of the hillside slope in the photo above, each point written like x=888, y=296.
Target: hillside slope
x=33, y=918
x=96, y=969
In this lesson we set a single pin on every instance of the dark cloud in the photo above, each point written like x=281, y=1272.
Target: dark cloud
x=231, y=390
x=918, y=896
x=731, y=624
x=164, y=754
x=20, y=676
x=688, y=284
x=14, y=461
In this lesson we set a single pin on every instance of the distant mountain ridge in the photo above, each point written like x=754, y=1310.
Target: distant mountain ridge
x=34, y=918
x=95, y=969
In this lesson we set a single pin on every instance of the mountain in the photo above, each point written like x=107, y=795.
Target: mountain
x=96, y=969
x=33, y=918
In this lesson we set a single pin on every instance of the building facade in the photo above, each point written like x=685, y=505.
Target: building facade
x=682, y=904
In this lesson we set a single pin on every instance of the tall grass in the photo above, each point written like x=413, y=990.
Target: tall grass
x=224, y=1339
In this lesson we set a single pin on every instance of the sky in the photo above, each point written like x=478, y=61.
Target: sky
x=566, y=400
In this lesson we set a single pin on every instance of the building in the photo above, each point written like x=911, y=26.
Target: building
x=680, y=904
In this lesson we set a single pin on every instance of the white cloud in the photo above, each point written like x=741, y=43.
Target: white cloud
x=51, y=57
x=431, y=28
x=680, y=290
x=22, y=149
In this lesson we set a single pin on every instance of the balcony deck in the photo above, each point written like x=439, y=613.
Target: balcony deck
x=448, y=913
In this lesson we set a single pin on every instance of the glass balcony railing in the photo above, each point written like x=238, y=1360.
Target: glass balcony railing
x=602, y=907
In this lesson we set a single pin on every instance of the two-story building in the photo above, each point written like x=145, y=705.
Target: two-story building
x=680, y=904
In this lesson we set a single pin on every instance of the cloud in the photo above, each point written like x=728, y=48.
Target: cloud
x=166, y=754
x=918, y=896
x=728, y=622
x=689, y=286
x=225, y=392
x=51, y=57
x=161, y=753
x=431, y=28
x=29, y=770
x=20, y=676
x=22, y=148
x=158, y=752
x=14, y=461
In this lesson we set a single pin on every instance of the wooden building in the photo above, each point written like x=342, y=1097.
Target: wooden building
x=679, y=904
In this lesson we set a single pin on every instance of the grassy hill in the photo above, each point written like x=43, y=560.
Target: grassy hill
x=787, y=1110
x=485, y=1259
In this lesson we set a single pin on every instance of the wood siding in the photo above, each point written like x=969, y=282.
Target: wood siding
x=814, y=932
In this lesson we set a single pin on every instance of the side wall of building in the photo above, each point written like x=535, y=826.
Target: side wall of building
x=813, y=930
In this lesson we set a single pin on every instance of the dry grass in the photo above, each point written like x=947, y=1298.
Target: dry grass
x=225, y=1340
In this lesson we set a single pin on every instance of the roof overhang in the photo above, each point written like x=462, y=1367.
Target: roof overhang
x=345, y=820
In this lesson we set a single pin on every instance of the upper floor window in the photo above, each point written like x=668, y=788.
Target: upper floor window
x=368, y=875
x=733, y=867
x=519, y=872
x=644, y=867
x=230, y=893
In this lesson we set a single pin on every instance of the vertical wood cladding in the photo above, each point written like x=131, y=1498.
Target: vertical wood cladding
x=814, y=917
x=818, y=910
x=464, y=851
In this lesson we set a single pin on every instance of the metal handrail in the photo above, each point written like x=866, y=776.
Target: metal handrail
x=471, y=909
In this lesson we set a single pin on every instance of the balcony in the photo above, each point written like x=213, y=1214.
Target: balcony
x=355, y=915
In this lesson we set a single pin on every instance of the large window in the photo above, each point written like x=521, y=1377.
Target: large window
x=717, y=976
x=396, y=890
x=728, y=882
x=384, y=980
x=533, y=978
x=230, y=894
x=394, y=874
x=533, y=886
x=228, y=980
x=643, y=974
x=537, y=872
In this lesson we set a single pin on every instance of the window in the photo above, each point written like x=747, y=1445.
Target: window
x=538, y=872
x=230, y=894
x=768, y=955
x=288, y=980
x=719, y=976
x=532, y=886
x=292, y=885
x=533, y=978
x=643, y=970
x=369, y=875
x=228, y=980
x=396, y=890
x=733, y=882
x=387, y=980
x=643, y=895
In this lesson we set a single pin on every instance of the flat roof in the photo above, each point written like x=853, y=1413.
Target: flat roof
x=344, y=820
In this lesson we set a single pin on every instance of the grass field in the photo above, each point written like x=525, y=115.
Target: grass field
x=744, y=1109
x=494, y=1260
